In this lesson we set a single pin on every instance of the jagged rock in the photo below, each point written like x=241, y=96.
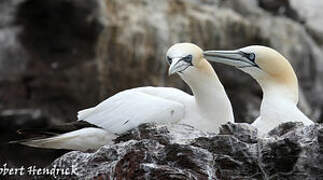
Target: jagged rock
x=291, y=151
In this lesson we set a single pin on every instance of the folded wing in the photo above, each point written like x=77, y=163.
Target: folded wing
x=130, y=108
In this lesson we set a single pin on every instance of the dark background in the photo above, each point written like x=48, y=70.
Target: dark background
x=58, y=57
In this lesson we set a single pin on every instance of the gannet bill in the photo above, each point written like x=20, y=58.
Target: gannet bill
x=277, y=79
x=206, y=110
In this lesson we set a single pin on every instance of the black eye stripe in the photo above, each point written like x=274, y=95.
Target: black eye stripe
x=250, y=56
x=169, y=60
x=188, y=59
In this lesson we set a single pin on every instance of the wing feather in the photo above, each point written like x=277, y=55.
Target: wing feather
x=130, y=108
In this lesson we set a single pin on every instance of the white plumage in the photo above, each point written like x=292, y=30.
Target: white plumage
x=130, y=108
x=277, y=79
x=207, y=110
x=83, y=139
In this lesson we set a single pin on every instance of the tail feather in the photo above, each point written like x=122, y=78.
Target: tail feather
x=36, y=132
x=56, y=129
x=22, y=141
x=82, y=140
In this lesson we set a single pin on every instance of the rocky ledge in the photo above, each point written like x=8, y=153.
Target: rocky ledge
x=290, y=151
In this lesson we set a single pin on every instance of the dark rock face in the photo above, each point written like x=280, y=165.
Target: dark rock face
x=47, y=54
x=282, y=7
x=291, y=151
x=59, y=31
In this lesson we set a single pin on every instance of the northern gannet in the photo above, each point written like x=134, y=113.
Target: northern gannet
x=277, y=79
x=206, y=110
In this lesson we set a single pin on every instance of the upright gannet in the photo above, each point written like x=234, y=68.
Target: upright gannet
x=276, y=78
x=97, y=126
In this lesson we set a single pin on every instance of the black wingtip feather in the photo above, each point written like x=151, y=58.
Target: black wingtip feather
x=38, y=133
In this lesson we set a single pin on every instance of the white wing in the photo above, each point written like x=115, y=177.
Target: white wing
x=133, y=107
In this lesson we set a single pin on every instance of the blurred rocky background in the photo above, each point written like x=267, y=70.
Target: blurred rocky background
x=57, y=57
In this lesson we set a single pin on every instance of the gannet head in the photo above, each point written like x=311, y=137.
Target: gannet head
x=264, y=64
x=182, y=57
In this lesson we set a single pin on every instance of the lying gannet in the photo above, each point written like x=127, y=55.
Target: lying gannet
x=97, y=126
x=276, y=78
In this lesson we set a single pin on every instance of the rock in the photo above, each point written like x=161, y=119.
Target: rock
x=282, y=7
x=62, y=33
x=311, y=12
x=48, y=53
x=12, y=54
x=291, y=151
x=130, y=158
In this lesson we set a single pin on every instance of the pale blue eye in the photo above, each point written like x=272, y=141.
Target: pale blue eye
x=252, y=56
x=188, y=58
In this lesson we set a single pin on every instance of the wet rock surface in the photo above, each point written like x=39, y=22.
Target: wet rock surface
x=291, y=151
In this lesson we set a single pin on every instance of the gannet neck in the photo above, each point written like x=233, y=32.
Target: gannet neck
x=280, y=97
x=277, y=96
x=279, y=88
x=275, y=75
x=210, y=96
x=278, y=106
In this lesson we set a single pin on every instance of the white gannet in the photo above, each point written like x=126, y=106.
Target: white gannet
x=277, y=79
x=97, y=126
